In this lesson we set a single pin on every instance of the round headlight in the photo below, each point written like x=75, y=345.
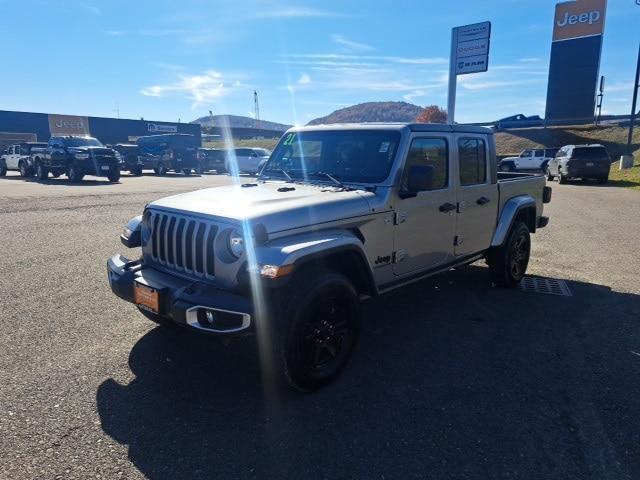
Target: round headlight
x=236, y=244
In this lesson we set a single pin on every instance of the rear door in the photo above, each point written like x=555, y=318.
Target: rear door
x=425, y=223
x=477, y=195
x=537, y=159
x=11, y=161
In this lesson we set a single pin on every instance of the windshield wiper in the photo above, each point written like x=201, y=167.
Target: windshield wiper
x=333, y=179
x=286, y=174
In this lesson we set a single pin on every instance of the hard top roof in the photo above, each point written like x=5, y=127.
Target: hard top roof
x=414, y=127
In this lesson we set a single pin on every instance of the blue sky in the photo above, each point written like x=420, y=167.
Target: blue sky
x=166, y=60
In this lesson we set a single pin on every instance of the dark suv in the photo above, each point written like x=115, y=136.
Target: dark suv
x=177, y=152
x=580, y=161
x=212, y=159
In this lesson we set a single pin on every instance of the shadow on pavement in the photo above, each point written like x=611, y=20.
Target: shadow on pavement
x=451, y=379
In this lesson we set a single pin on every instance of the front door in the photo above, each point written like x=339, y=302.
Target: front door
x=477, y=196
x=425, y=223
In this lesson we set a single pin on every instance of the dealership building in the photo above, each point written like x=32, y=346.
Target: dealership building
x=30, y=127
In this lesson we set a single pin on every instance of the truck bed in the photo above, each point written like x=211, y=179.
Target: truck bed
x=513, y=184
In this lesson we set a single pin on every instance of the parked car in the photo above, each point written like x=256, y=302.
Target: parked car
x=18, y=157
x=212, y=159
x=339, y=213
x=529, y=159
x=580, y=161
x=248, y=160
x=75, y=157
x=519, y=121
x=129, y=160
x=177, y=152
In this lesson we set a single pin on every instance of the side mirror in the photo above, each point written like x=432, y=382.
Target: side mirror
x=420, y=179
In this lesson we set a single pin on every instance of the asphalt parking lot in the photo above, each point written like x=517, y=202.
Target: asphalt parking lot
x=451, y=379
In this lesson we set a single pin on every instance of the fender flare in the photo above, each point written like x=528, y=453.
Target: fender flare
x=510, y=211
x=306, y=249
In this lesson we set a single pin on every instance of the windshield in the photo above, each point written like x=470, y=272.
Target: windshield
x=359, y=156
x=82, y=142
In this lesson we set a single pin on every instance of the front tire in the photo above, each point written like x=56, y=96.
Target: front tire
x=508, y=263
x=161, y=170
x=74, y=175
x=322, y=326
x=603, y=180
x=114, y=175
x=136, y=171
x=3, y=169
x=186, y=171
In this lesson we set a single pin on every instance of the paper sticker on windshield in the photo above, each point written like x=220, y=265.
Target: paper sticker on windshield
x=384, y=147
x=290, y=139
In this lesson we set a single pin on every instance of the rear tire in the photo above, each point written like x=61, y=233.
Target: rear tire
x=137, y=171
x=186, y=171
x=562, y=179
x=25, y=171
x=321, y=326
x=508, y=263
x=161, y=170
x=549, y=176
x=41, y=172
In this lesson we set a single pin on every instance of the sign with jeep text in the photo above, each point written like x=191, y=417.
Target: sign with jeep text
x=68, y=125
x=580, y=18
x=472, y=48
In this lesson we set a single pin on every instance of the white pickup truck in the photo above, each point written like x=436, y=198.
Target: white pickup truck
x=529, y=159
x=18, y=157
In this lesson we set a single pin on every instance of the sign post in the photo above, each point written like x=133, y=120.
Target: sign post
x=469, y=54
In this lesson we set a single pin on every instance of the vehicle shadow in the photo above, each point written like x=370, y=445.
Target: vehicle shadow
x=451, y=379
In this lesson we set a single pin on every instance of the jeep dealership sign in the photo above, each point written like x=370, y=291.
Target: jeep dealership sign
x=68, y=125
x=579, y=19
x=472, y=48
x=574, y=67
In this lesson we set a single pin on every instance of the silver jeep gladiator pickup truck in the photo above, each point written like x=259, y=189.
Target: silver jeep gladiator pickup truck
x=339, y=213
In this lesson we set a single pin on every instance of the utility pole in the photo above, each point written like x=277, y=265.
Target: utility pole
x=633, y=106
x=599, y=102
x=256, y=108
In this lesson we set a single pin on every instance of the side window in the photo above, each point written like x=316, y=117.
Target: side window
x=539, y=153
x=429, y=152
x=472, y=155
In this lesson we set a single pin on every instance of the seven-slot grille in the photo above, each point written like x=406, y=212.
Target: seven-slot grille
x=182, y=243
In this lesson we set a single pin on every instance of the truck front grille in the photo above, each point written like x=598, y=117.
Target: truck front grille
x=182, y=243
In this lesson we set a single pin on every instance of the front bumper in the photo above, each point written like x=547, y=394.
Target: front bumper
x=184, y=302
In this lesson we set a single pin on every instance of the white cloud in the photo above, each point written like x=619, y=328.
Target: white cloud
x=529, y=60
x=149, y=32
x=304, y=79
x=286, y=12
x=350, y=44
x=619, y=87
x=201, y=89
x=409, y=97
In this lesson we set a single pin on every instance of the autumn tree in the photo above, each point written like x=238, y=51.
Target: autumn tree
x=432, y=114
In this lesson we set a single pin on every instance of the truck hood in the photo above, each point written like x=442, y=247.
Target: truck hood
x=276, y=210
x=94, y=150
x=509, y=158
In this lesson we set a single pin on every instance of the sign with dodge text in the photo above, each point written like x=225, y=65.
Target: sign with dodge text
x=68, y=125
x=156, y=128
x=472, y=48
x=580, y=18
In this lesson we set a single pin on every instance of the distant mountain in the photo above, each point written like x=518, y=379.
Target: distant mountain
x=238, y=121
x=372, y=112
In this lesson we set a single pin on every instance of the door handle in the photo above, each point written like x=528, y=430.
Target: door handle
x=447, y=207
x=483, y=201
